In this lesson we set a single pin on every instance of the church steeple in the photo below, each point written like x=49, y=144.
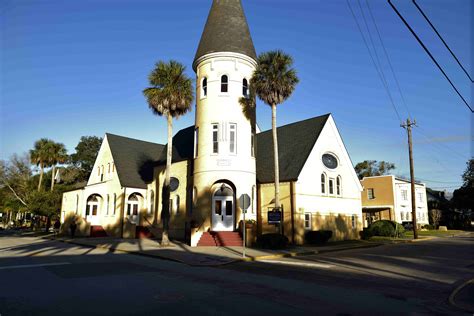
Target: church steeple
x=226, y=30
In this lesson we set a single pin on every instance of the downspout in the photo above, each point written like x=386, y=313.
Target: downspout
x=292, y=202
x=122, y=212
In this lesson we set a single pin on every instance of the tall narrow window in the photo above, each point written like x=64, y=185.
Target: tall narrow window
x=232, y=138
x=196, y=141
x=338, y=185
x=245, y=88
x=224, y=83
x=370, y=194
x=113, y=167
x=353, y=221
x=108, y=167
x=151, y=209
x=77, y=203
x=204, y=87
x=331, y=186
x=215, y=138
x=108, y=203
x=307, y=221
x=323, y=183
x=252, y=144
x=115, y=203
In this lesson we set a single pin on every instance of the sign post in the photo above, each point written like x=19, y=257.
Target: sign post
x=244, y=201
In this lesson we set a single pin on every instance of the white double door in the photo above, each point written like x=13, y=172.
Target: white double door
x=223, y=213
x=92, y=213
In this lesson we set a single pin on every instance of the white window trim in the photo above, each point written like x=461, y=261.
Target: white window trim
x=212, y=139
x=221, y=93
x=373, y=193
x=333, y=186
x=325, y=184
x=235, y=138
x=309, y=221
x=201, y=88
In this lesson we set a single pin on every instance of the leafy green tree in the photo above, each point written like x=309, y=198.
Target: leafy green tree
x=57, y=154
x=273, y=81
x=463, y=198
x=40, y=156
x=45, y=203
x=85, y=155
x=171, y=95
x=468, y=175
x=370, y=168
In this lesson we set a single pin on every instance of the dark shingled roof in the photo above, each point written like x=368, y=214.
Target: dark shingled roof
x=226, y=30
x=295, y=142
x=183, y=146
x=134, y=159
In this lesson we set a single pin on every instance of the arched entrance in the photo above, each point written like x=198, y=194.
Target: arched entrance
x=92, y=209
x=223, y=208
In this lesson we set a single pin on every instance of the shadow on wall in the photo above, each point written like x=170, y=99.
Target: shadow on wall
x=340, y=225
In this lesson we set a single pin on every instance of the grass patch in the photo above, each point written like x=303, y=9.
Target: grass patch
x=435, y=233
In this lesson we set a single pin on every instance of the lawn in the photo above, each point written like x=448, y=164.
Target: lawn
x=435, y=233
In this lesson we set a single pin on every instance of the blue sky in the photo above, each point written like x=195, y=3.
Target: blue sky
x=74, y=68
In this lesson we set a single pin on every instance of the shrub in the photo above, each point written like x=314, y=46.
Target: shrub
x=272, y=241
x=428, y=226
x=316, y=237
x=385, y=228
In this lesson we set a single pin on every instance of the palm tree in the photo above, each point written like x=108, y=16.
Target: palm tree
x=39, y=155
x=273, y=82
x=57, y=154
x=170, y=95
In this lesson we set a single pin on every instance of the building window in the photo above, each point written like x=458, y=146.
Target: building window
x=370, y=194
x=353, y=222
x=338, y=185
x=115, y=204
x=420, y=197
x=102, y=173
x=232, y=138
x=196, y=141
x=404, y=195
x=132, y=205
x=254, y=194
x=323, y=183
x=98, y=171
x=107, y=208
x=307, y=221
x=204, y=87
x=245, y=88
x=151, y=209
x=224, y=83
x=252, y=144
x=331, y=186
x=108, y=167
x=215, y=138
x=77, y=203
x=175, y=205
x=113, y=167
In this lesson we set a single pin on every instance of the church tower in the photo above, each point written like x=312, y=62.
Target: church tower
x=224, y=164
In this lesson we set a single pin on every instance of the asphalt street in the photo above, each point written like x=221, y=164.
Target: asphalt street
x=43, y=277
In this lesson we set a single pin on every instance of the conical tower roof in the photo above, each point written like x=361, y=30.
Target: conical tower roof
x=226, y=30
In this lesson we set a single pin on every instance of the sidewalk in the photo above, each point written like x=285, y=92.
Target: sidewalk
x=206, y=256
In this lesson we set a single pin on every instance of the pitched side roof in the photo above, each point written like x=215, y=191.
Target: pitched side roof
x=295, y=142
x=134, y=159
x=183, y=146
x=226, y=30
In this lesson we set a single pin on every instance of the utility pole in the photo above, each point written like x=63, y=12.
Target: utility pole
x=408, y=126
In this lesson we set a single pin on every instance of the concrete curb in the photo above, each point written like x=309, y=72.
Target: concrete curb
x=451, y=298
x=279, y=255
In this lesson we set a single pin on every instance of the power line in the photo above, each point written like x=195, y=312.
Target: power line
x=373, y=61
x=388, y=59
x=441, y=38
x=429, y=54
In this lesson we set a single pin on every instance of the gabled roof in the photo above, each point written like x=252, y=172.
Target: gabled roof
x=134, y=159
x=183, y=146
x=226, y=30
x=295, y=142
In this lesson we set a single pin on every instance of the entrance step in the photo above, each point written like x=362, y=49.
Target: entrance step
x=98, y=231
x=220, y=239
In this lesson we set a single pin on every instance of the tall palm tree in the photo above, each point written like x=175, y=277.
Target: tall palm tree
x=57, y=154
x=39, y=155
x=273, y=81
x=170, y=95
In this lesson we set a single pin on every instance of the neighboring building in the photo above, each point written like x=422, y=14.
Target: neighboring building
x=220, y=158
x=389, y=197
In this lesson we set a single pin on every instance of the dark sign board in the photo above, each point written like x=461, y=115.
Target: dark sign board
x=274, y=215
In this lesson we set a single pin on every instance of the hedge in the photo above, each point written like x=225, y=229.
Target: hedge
x=316, y=237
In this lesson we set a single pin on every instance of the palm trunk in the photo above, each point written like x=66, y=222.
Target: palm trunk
x=165, y=212
x=52, y=177
x=41, y=176
x=275, y=157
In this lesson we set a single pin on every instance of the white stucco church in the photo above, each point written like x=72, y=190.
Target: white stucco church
x=219, y=158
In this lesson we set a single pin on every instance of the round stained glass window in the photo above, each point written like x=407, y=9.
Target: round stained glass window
x=330, y=161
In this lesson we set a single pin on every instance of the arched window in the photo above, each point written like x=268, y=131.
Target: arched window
x=204, y=87
x=338, y=185
x=108, y=167
x=151, y=209
x=245, y=88
x=224, y=83
x=115, y=203
x=132, y=205
x=323, y=183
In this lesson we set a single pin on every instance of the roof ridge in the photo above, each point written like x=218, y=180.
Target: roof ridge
x=135, y=139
